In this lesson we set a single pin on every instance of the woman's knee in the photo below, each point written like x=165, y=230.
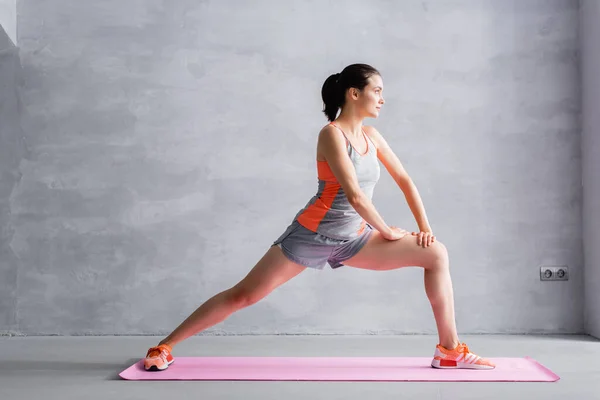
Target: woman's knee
x=439, y=255
x=244, y=296
x=440, y=249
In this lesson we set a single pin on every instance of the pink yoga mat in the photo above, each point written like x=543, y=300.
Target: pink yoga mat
x=338, y=369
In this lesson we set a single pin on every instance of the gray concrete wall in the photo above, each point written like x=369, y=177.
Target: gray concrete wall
x=8, y=18
x=12, y=150
x=169, y=145
x=590, y=51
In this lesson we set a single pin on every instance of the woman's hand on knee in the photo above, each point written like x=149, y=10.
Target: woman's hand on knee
x=395, y=233
x=424, y=238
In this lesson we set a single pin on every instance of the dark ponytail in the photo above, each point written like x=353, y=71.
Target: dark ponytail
x=334, y=88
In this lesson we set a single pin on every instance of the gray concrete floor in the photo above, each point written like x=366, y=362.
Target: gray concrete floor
x=77, y=367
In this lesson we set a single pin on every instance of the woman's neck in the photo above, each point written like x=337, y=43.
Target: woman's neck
x=350, y=126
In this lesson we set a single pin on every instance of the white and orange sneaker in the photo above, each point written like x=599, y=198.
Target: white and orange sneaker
x=459, y=357
x=158, y=358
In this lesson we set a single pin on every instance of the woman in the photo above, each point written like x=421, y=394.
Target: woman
x=340, y=226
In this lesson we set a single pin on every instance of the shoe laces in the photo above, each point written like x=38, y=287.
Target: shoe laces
x=155, y=351
x=464, y=349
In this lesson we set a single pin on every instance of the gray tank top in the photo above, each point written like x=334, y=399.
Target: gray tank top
x=328, y=212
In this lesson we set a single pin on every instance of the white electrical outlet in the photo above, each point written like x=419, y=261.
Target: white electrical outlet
x=554, y=273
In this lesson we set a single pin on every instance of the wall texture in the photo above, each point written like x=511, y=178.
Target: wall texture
x=8, y=18
x=11, y=153
x=590, y=51
x=168, y=144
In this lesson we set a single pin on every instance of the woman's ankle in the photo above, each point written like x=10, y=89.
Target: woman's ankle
x=450, y=345
x=167, y=343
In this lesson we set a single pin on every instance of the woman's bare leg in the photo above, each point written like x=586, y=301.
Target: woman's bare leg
x=438, y=287
x=273, y=270
x=380, y=254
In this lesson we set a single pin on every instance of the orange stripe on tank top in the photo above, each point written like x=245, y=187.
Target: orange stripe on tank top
x=314, y=214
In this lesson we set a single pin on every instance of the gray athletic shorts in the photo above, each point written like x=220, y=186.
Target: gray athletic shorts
x=314, y=250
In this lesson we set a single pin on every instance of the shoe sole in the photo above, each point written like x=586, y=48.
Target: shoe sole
x=436, y=364
x=155, y=368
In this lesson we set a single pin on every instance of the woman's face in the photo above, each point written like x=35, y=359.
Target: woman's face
x=371, y=99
